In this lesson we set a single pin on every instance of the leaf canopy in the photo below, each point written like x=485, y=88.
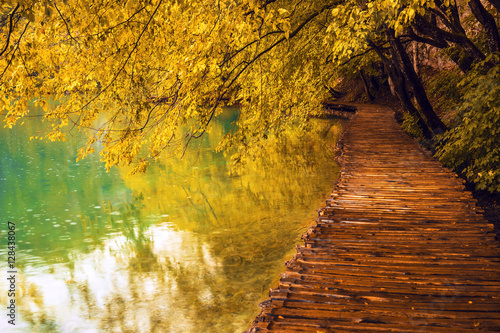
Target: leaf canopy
x=144, y=78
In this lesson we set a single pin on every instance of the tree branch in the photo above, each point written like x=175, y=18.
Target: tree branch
x=10, y=30
x=65, y=23
x=441, y=44
x=191, y=136
x=113, y=27
x=251, y=43
x=458, y=38
x=293, y=34
x=488, y=22
x=13, y=53
x=126, y=60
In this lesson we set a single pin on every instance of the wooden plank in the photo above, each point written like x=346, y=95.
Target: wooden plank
x=399, y=247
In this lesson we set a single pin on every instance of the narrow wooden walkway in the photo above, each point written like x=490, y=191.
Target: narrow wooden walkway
x=400, y=247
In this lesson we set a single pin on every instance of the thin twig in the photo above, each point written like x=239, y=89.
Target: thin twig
x=65, y=23
x=136, y=44
x=13, y=53
x=10, y=30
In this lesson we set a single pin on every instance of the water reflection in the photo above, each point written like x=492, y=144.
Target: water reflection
x=186, y=247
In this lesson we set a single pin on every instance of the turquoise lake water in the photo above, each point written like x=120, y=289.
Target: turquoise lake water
x=185, y=247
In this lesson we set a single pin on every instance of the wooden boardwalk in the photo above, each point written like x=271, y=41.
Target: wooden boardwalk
x=400, y=247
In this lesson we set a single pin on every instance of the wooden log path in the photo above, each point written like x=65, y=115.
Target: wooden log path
x=400, y=246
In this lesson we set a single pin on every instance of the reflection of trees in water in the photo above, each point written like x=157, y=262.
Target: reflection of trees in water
x=247, y=230
x=225, y=241
x=155, y=289
x=199, y=195
x=172, y=295
x=32, y=308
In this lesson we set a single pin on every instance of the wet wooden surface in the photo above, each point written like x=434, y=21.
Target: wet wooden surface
x=400, y=246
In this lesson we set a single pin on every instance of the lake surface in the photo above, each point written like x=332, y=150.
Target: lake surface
x=185, y=247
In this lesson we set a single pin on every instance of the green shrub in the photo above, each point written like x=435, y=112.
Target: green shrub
x=410, y=125
x=472, y=147
x=445, y=91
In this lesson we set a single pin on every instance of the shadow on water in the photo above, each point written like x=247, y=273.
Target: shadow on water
x=186, y=247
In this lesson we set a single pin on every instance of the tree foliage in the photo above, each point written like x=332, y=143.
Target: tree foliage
x=144, y=78
x=472, y=147
x=147, y=77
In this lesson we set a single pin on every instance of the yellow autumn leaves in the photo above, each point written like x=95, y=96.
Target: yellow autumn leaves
x=145, y=78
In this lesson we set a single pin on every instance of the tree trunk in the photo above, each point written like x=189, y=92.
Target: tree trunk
x=335, y=94
x=401, y=58
x=496, y=4
x=374, y=82
x=461, y=58
x=427, y=28
x=402, y=93
x=488, y=22
x=390, y=81
x=398, y=87
x=365, y=84
x=415, y=57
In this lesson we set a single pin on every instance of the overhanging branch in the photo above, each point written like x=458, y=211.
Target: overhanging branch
x=11, y=18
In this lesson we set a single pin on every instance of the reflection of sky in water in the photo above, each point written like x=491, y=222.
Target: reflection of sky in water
x=104, y=275
x=182, y=248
